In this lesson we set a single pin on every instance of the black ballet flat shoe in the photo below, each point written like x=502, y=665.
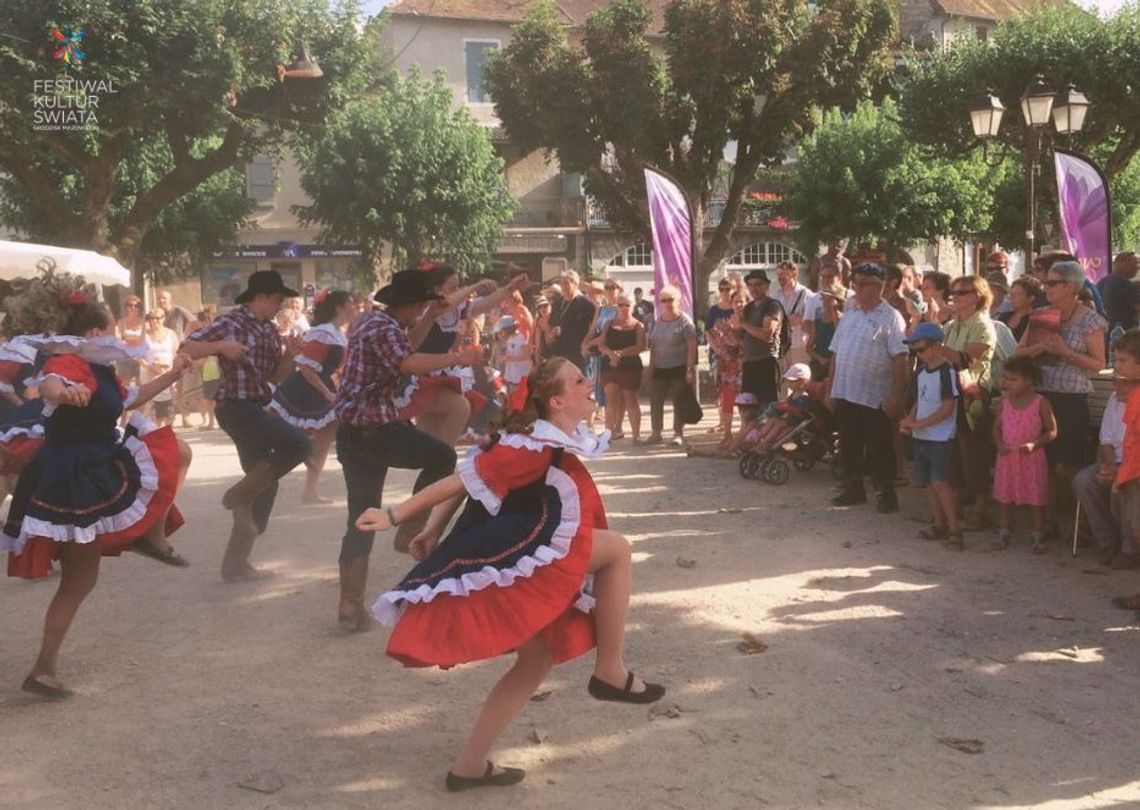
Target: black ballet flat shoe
x=505, y=778
x=172, y=557
x=600, y=690
x=38, y=687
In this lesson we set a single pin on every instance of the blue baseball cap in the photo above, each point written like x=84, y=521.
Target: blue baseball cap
x=930, y=332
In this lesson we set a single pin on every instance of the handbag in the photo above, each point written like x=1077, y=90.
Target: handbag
x=689, y=411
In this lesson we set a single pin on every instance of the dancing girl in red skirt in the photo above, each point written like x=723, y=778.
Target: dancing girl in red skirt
x=530, y=566
x=91, y=490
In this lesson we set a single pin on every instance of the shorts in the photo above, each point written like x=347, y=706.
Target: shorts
x=163, y=410
x=1074, y=435
x=210, y=387
x=933, y=462
x=759, y=381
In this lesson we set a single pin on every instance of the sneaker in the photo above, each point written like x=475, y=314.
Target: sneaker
x=1037, y=544
x=850, y=497
x=654, y=438
x=1002, y=541
x=677, y=441
x=888, y=502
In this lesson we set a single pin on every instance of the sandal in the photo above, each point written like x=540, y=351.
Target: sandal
x=171, y=557
x=955, y=541
x=505, y=778
x=615, y=436
x=1127, y=602
x=600, y=690
x=1038, y=545
x=38, y=687
x=933, y=533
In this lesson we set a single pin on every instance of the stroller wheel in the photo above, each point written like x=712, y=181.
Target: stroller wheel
x=749, y=465
x=804, y=463
x=777, y=471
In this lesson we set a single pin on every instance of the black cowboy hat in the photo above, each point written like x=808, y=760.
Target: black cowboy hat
x=265, y=282
x=407, y=287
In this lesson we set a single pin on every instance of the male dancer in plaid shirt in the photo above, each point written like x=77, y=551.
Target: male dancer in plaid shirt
x=375, y=432
x=252, y=355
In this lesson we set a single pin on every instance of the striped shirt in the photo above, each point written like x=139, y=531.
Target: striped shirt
x=865, y=343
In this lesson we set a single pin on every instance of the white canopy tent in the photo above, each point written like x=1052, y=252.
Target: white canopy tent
x=20, y=259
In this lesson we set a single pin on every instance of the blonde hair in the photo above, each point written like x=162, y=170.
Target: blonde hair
x=670, y=291
x=980, y=287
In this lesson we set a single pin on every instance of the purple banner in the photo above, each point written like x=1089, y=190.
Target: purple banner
x=1086, y=218
x=672, y=222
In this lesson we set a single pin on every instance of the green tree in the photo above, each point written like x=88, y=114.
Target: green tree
x=859, y=176
x=408, y=170
x=1064, y=44
x=194, y=91
x=752, y=72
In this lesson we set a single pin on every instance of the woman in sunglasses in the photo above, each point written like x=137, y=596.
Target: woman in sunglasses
x=129, y=329
x=672, y=363
x=1069, y=352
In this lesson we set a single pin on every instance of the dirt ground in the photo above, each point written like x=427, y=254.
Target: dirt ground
x=879, y=646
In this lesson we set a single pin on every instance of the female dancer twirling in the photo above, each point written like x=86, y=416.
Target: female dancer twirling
x=89, y=491
x=306, y=398
x=514, y=573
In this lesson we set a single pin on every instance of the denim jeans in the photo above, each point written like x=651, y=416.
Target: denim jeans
x=365, y=454
x=260, y=436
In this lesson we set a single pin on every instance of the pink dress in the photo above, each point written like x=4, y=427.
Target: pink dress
x=1021, y=478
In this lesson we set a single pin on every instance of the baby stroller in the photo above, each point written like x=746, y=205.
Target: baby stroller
x=806, y=444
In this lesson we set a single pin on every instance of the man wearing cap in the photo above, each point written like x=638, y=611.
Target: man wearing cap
x=570, y=323
x=252, y=357
x=759, y=347
x=867, y=385
x=1120, y=293
x=375, y=433
x=999, y=286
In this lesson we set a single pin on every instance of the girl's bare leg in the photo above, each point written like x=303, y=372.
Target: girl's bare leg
x=79, y=570
x=504, y=703
x=322, y=440
x=612, y=569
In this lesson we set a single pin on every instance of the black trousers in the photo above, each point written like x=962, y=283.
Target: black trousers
x=260, y=436
x=866, y=444
x=365, y=454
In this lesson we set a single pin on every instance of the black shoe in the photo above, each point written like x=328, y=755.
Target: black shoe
x=888, y=502
x=600, y=690
x=505, y=778
x=38, y=687
x=850, y=497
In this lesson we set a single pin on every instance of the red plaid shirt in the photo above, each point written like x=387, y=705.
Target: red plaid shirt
x=249, y=377
x=371, y=379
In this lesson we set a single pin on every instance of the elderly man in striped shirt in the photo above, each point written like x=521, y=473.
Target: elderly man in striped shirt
x=867, y=388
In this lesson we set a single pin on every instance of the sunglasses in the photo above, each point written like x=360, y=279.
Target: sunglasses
x=965, y=291
x=624, y=306
x=611, y=287
x=668, y=300
x=916, y=349
x=132, y=306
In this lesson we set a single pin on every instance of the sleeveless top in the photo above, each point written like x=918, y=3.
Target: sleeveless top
x=618, y=339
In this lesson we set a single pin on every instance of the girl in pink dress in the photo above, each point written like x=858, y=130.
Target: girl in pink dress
x=1025, y=424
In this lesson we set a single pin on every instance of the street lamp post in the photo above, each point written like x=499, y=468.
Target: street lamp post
x=1038, y=104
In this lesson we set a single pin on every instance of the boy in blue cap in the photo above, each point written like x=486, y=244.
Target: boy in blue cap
x=932, y=423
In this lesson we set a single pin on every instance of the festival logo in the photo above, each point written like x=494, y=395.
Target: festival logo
x=68, y=103
x=68, y=50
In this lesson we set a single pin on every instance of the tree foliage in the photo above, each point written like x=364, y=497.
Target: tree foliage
x=859, y=176
x=196, y=93
x=1066, y=44
x=750, y=71
x=409, y=170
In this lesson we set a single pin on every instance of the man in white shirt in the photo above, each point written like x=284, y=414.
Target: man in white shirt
x=1092, y=488
x=867, y=386
x=794, y=298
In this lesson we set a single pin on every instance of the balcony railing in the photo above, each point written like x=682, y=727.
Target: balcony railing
x=548, y=212
x=713, y=215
